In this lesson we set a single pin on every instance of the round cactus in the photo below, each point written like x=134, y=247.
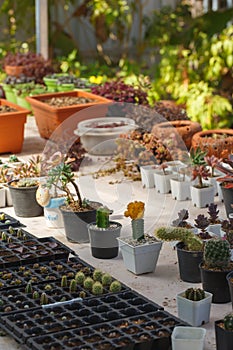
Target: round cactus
x=115, y=287
x=79, y=277
x=35, y=295
x=217, y=253
x=228, y=322
x=194, y=294
x=97, y=288
x=97, y=275
x=106, y=279
x=88, y=283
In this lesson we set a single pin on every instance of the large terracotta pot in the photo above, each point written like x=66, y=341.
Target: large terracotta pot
x=218, y=142
x=184, y=128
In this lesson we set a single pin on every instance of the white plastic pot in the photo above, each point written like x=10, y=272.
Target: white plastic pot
x=98, y=135
x=188, y=338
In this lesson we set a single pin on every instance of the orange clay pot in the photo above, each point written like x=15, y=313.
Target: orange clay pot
x=217, y=142
x=48, y=118
x=14, y=70
x=12, y=128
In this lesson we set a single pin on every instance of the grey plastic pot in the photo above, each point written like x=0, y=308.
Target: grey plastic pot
x=24, y=200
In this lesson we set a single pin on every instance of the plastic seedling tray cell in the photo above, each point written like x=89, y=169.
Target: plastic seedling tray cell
x=9, y=221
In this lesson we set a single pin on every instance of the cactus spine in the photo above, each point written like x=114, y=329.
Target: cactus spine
x=194, y=294
x=102, y=217
x=190, y=240
x=217, y=253
x=228, y=322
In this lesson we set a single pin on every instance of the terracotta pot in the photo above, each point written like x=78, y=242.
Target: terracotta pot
x=14, y=70
x=219, y=147
x=48, y=118
x=185, y=129
x=12, y=128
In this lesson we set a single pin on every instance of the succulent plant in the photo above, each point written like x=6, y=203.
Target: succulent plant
x=20, y=233
x=106, y=279
x=97, y=288
x=88, y=283
x=28, y=288
x=82, y=294
x=194, y=294
x=191, y=241
x=228, y=322
x=181, y=221
x=102, y=217
x=73, y=286
x=115, y=287
x=35, y=295
x=202, y=222
x=64, y=281
x=212, y=162
x=217, y=254
x=227, y=227
x=44, y=299
x=80, y=277
x=213, y=213
x=97, y=275
x=4, y=236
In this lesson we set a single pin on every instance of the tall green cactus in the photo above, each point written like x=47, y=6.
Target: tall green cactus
x=102, y=217
x=191, y=241
x=217, y=253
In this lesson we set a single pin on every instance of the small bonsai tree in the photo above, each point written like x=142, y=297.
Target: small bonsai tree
x=217, y=254
x=191, y=241
x=194, y=294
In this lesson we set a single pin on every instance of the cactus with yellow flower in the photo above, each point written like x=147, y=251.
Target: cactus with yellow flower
x=135, y=210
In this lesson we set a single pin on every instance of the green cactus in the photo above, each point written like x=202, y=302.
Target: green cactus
x=2, y=217
x=11, y=230
x=35, y=295
x=106, y=279
x=4, y=236
x=217, y=253
x=194, y=294
x=115, y=287
x=82, y=294
x=228, y=322
x=64, y=282
x=80, y=277
x=20, y=233
x=88, y=283
x=44, y=299
x=9, y=239
x=97, y=275
x=191, y=241
x=28, y=288
x=97, y=288
x=73, y=286
x=102, y=217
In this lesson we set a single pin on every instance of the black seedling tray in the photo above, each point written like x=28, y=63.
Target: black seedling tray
x=31, y=251
x=138, y=332
x=18, y=276
x=15, y=235
x=9, y=221
x=30, y=323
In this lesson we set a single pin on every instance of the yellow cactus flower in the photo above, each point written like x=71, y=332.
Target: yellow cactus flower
x=135, y=210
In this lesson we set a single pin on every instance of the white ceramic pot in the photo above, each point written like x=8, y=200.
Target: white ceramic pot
x=180, y=189
x=195, y=313
x=188, y=338
x=141, y=258
x=202, y=197
x=98, y=135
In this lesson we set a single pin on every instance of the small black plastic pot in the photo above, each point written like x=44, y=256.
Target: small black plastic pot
x=216, y=283
x=224, y=338
x=189, y=262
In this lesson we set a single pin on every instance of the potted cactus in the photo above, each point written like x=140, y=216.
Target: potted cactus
x=103, y=235
x=140, y=252
x=189, y=250
x=194, y=306
x=214, y=269
x=224, y=333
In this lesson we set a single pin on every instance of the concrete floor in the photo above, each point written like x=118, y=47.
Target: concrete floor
x=160, y=286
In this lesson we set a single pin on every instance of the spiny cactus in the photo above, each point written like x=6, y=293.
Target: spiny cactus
x=190, y=240
x=11, y=230
x=106, y=279
x=82, y=294
x=20, y=233
x=35, y=295
x=64, y=282
x=97, y=288
x=102, y=217
x=217, y=253
x=115, y=287
x=88, y=283
x=97, y=275
x=194, y=294
x=4, y=236
x=80, y=277
x=44, y=299
x=228, y=322
x=28, y=288
x=73, y=286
